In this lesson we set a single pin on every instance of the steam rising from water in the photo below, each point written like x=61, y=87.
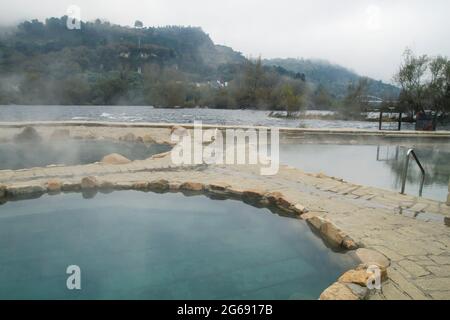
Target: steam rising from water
x=69, y=152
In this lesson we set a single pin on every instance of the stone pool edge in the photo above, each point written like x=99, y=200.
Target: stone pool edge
x=341, y=190
x=352, y=285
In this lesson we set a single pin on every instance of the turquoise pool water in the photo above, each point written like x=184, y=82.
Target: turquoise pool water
x=135, y=245
x=22, y=155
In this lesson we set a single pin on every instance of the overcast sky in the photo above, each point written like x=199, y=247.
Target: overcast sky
x=366, y=36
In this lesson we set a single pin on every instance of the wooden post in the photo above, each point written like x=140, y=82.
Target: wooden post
x=400, y=121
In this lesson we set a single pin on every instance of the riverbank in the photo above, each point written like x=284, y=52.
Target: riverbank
x=143, y=114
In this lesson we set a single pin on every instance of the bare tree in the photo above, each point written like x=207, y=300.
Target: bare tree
x=412, y=79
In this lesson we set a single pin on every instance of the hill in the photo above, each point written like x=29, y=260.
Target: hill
x=187, y=48
x=103, y=63
x=172, y=66
x=334, y=78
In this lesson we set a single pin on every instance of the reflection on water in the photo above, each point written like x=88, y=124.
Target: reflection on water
x=135, y=245
x=70, y=152
x=378, y=166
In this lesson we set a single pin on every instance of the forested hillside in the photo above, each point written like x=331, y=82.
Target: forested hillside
x=333, y=78
x=46, y=63
x=106, y=64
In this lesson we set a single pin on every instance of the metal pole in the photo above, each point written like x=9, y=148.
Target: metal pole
x=422, y=170
x=400, y=121
x=421, y=186
x=405, y=172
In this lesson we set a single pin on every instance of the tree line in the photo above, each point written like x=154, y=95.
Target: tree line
x=105, y=64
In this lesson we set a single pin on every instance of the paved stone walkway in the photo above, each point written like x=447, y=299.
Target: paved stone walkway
x=410, y=231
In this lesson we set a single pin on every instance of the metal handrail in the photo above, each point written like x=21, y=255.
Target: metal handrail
x=405, y=171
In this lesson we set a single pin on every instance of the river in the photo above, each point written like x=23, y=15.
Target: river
x=150, y=114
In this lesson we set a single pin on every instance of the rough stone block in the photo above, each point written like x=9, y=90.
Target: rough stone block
x=115, y=158
x=338, y=291
x=54, y=185
x=89, y=182
x=192, y=186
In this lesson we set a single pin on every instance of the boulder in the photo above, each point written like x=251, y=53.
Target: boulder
x=383, y=270
x=316, y=222
x=192, y=186
x=174, y=186
x=253, y=195
x=54, y=185
x=159, y=185
x=140, y=185
x=274, y=196
x=277, y=198
x=29, y=134
x=70, y=186
x=372, y=257
x=359, y=277
x=338, y=291
x=332, y=233
x=298, y=208
x=359, y=291
x=25, y=190
x=89, y=182
x=349, y=243
x=218, y=186
x=115, y=158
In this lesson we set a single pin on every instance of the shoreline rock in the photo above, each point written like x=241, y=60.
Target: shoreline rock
x=54, y=186
x=115, y=158
x=338, y=291
x=89, y=183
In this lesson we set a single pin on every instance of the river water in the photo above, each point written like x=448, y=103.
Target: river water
x=150, y=114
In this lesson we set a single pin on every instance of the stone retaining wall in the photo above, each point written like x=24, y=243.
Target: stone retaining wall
x=161, y=133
